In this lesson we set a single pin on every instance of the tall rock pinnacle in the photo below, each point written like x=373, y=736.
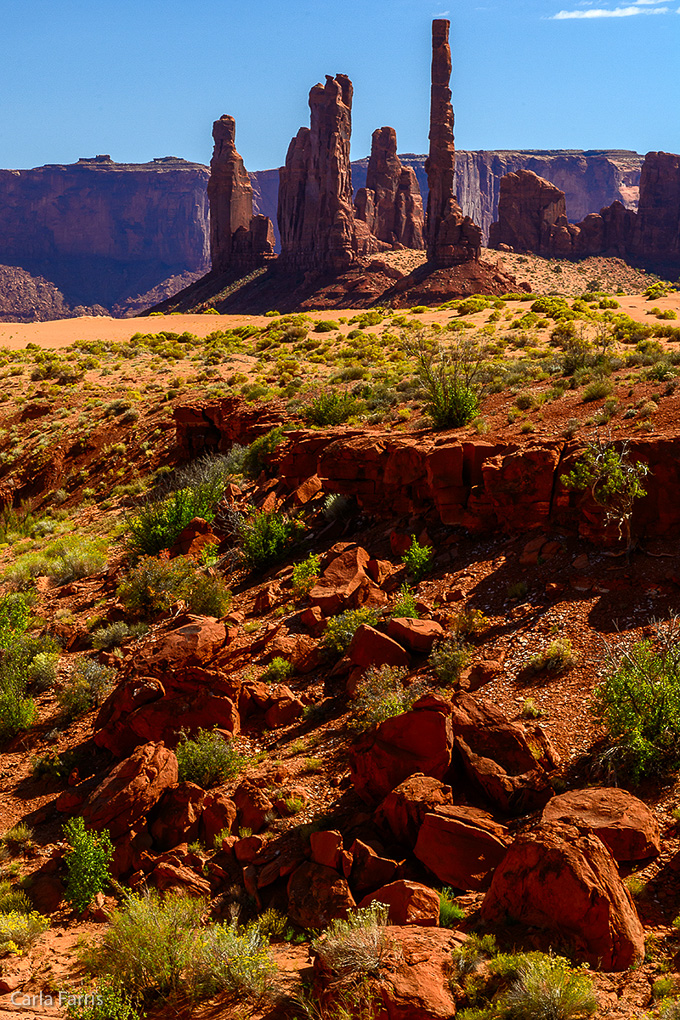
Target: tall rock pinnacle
x=390, y=204
x=237, y=238
x=315, y=209
x=451, y=237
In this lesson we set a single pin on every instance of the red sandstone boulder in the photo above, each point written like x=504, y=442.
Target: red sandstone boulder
x=316, y=895
x=409, y=903
x=131, y=789
x=416, y=635
x=370, y=647
x=369, y=870
x=283, y=707
x=176, y=816
x=218, y=815
x=488, y=732
x=253, y=806
x=624, y=823
x=177, y=876
x=416, y=741
x=462, y=846
x=513, y=794
x=345, y=581
x=556, y=878
x=193, y=539
x=404, y=809
x=326, y=848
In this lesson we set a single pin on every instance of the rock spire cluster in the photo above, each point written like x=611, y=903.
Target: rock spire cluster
x=391, y=204
x=238, y=240
x=452, y=238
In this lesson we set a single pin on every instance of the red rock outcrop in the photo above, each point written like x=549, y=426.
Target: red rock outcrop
x=462, y=846
x=657, y=225
x=316, y=895
x=404, y=809
x=409, y=903
x=315, y=207
x=238, y=240
x=623, y=822
x=390, y=203
x=131, y=789
x=452, y=238
x=559, y=879
x=528, y=209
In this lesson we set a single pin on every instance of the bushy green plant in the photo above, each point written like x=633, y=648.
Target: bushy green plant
x=278, y=670
x=331, y=408
x=18, y=711
x=265, y=536
x=42, y=670
x=66, y=559
x=114, y=634
x=159, y=946
x=254, y=459
x=450, y=913
x=556, y=658
x=448, y=659
x=154, y=585
x=19, y=930
x=548, y=989
x=417, y=560
x=613, y=479
x=405, y=606
x=18, y=839
x=357, y=946
x=207, y=759
x=639, y=702
x=381, y=695
x=451, y=377
x=87, y=863
x=340, y=629
x=86, y=688
x=305, y=575
x=13, y=899
x=103, y=1001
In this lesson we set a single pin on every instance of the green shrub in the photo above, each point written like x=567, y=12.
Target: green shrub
x=13, y=900
x=19, y=930
x=66, y=559
x=159, y=946
x=326, y=326
x=548, y=989
x=339, y=631
x=305, y=576
x=557, y=657
x=405, y=606
x=158, y=523
x=17, y=712
x=207, y=759
x=42, y=670
x=18, y=649
x=639, y=702
x=255, y=456
x=417, y=560
x=18, y=839
x=597, y=390
x=448, y=659
x=331, y=408
x=357, y=946
x=381, y=695
x=451, y=378
x=450, y=913
x=86, y=688
x=265, y=536
x=114, y=634
x=104, y=1001
x=87, y=863
x=278, y=670
x=154, y=585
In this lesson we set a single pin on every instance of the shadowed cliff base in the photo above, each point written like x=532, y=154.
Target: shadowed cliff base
x=378, y=282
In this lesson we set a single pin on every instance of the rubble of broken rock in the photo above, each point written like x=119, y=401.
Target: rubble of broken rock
x=515, y=816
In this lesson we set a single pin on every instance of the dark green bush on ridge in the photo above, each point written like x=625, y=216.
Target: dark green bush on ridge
x=153, y=585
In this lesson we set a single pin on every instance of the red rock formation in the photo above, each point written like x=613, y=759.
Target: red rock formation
x=624, y=823
x=657, y=227
x=315, y=208
x=451, y=237
x=237, y=238
x=558, y=879
x=390, y=204
x=528, y=209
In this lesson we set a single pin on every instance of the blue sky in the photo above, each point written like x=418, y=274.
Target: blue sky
x=145, y=78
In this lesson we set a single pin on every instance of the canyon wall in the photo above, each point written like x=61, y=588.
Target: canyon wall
x=104, y=232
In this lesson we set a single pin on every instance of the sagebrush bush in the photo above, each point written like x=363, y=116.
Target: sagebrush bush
x=66, y=559
x=103, y=1001
x=154, y=585
x=159, y=946
x=254, y=458
x=42, y=670
x=114, y=634
x=18, y=930
x=340, y=629
x=305, y=574
x=207, y=759
x=86, y=688
x=87, y=863
x=417, y=560
x=278, y=670
x=265, y=536
x=448, y=659
x=331, y=408
x=558, y=657
x=357, y=946
x=381, y=695
x=639, y=702
x=548, y=989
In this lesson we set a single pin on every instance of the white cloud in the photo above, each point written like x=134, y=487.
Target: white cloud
x=616, y=12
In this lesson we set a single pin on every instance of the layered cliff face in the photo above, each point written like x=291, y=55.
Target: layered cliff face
x=657, y=227
x=103, y=232
x=529, y=207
